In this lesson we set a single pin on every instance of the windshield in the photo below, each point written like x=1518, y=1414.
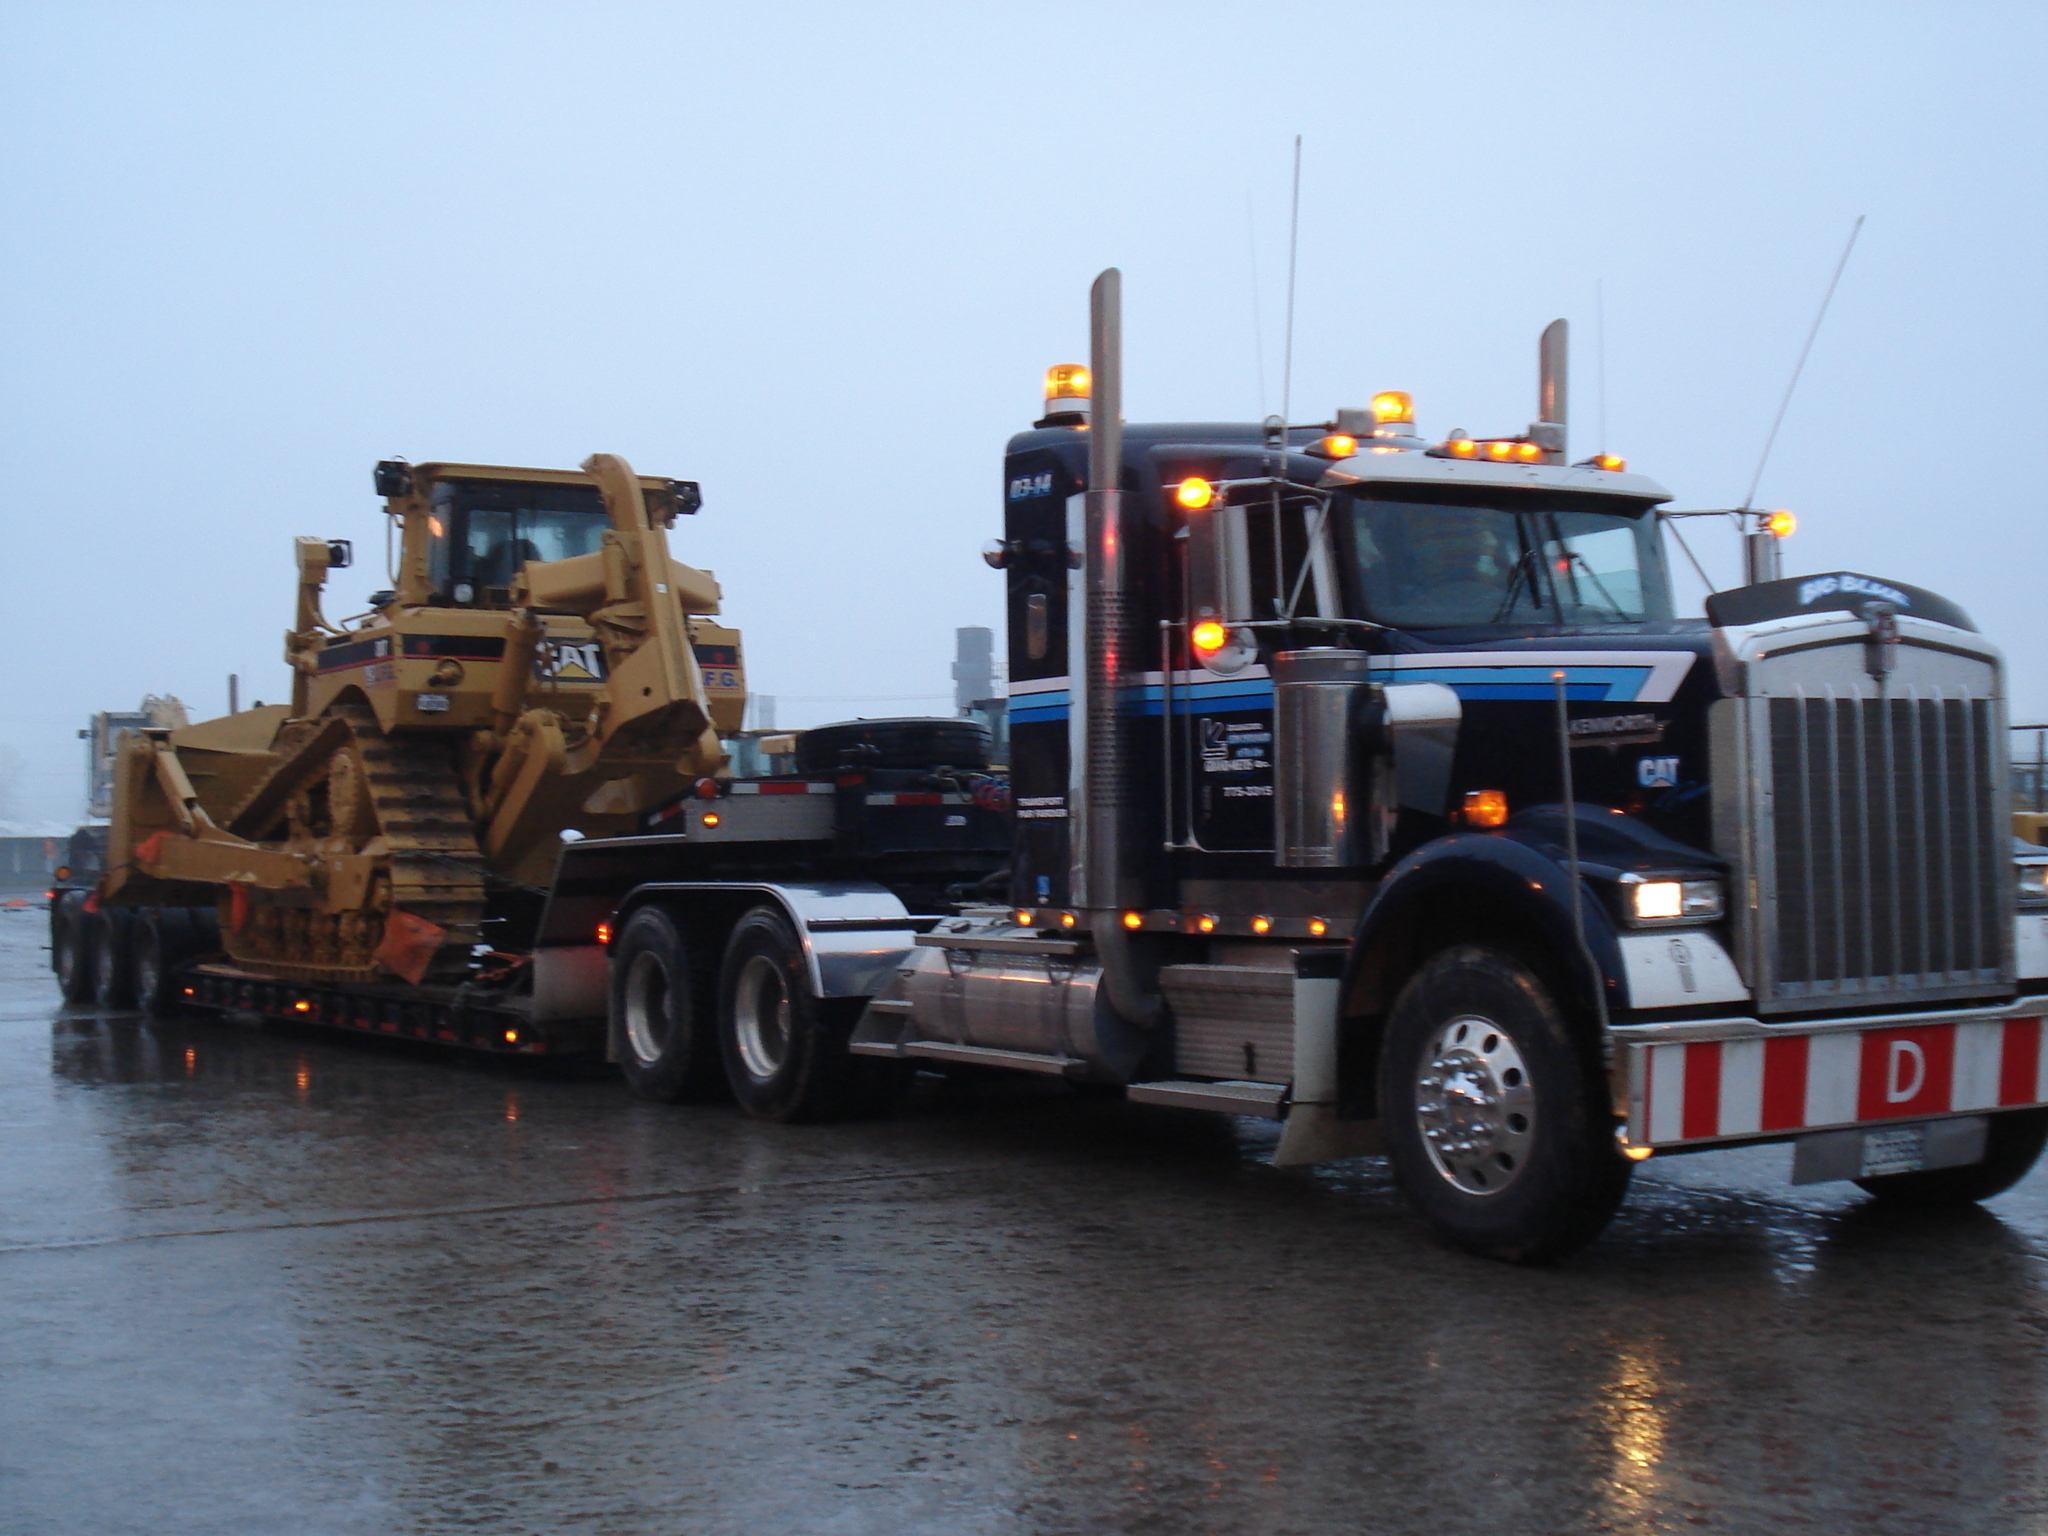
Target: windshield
x=1457, y=565
x=484, y=531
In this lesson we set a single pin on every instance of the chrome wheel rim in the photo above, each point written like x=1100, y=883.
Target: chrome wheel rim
x=1475, y=1106
x=761, y=1021
x=646, y=1007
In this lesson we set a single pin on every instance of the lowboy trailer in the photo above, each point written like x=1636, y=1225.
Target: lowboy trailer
x=1369, y=784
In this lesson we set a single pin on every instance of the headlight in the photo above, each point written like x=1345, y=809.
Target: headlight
x=2032, y=880
x=1660, y=901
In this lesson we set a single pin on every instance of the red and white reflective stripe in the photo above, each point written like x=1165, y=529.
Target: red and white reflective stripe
x=1706, y=1090
x=808, y=788
x=920, y=799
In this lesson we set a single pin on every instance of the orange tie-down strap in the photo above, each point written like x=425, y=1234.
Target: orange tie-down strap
x=409, y=945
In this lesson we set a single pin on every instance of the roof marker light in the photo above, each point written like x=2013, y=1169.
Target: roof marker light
x=1612, y=462
x=1529, y=453
x=1338, y=445
x=1461, y=448
x=1394, y=407
x=1194, y=493
x=1067, y=381
x=1500, y=450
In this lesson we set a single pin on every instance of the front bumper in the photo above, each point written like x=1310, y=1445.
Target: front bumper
x=1721, y=1080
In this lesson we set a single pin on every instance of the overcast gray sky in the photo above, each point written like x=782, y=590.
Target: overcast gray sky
x=817, y=257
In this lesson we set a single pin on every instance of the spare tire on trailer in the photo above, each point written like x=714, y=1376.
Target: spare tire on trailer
x=930, y=742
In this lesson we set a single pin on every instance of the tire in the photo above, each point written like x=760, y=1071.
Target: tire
x=784, y=1047
x=71, y=949
x=1496, y=1111
x=159, y=939
x=113, y=930
x=2012, y=1143
x=661, y=1018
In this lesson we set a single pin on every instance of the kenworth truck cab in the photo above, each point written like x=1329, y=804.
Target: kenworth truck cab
x=1370, y=783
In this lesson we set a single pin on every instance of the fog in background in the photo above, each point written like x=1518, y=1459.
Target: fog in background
x=818, y=258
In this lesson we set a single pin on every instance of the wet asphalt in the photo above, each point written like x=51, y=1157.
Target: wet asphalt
x=262, y=1281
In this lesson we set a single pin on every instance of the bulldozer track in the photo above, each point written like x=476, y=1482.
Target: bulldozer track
x=434, y=867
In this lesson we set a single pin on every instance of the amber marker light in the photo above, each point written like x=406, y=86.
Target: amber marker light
x=1209, y=637
x=1462, y=448
x=1610, y=461
x=1529, y=453
x=1066, y=919
x=604, y=933
x=1317, y=927
x=1486, y=807
x=1023, y=919
x=1500, y=452
x=511, y=1037
x=1633, y=1153
x=1194, y=493
x=1262, y=925
x=1338, y=445
x=1134, y=919
x=1206, y=923
x=1781, y=524
x=1067, y=381
x=1392, y=406
x=709, y=819
x=303, y=1006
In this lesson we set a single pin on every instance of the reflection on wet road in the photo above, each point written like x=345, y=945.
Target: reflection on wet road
x=261, y=1282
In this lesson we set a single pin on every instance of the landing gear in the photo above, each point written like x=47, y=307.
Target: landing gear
x=1496, y=1113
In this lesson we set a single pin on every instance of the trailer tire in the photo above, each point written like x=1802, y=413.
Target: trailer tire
x=661, y=1019
x=71, y=957
x=785, y=1047
x=1496, y=1113
x=113, y=934
x=159, y=939
x=2012, y=1144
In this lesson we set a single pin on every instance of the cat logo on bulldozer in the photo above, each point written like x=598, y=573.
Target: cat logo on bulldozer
x=570, y=661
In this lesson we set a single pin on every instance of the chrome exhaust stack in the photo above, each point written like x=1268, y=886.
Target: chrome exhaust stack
x=1553, y=382
x=1099, y=879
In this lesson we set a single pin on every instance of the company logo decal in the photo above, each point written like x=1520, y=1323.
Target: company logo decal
x=570, y=661
x=1827, y=586
x=1027, y=486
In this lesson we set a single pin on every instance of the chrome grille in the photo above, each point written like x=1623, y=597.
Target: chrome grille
x=1880, y=847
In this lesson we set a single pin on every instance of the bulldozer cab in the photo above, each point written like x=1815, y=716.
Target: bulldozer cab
x=480, y=533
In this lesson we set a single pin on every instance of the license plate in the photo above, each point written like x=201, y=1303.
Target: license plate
x=1895, y=1149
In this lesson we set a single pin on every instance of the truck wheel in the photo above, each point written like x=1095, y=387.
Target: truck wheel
x=2012, y=1144
x=785, y=1048
x=71, y=957
x=159, y=939
x=113, y=929
x=660, y=1018
x=1496, y=1115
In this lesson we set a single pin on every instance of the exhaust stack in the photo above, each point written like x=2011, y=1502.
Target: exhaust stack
x=1098, y=831
x=1553, y=374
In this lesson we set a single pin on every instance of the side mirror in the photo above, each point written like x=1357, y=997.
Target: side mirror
x=1219, y=583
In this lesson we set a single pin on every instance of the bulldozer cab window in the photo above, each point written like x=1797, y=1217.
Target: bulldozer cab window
x=483, y=532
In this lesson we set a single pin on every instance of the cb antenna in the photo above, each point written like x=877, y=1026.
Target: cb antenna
x=1293, y=242
x=1749, y=496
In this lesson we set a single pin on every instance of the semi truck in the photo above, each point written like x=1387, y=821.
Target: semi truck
x=1360, y=780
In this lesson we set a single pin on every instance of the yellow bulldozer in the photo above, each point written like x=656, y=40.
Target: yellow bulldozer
x=541, y=667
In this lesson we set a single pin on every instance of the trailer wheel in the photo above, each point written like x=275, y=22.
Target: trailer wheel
x=159, y=939
x=2012, y=1145
x=113, y=933
x=71, y=956
x=661, y=1024
x=1496, y=1116
x=785, y=1047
